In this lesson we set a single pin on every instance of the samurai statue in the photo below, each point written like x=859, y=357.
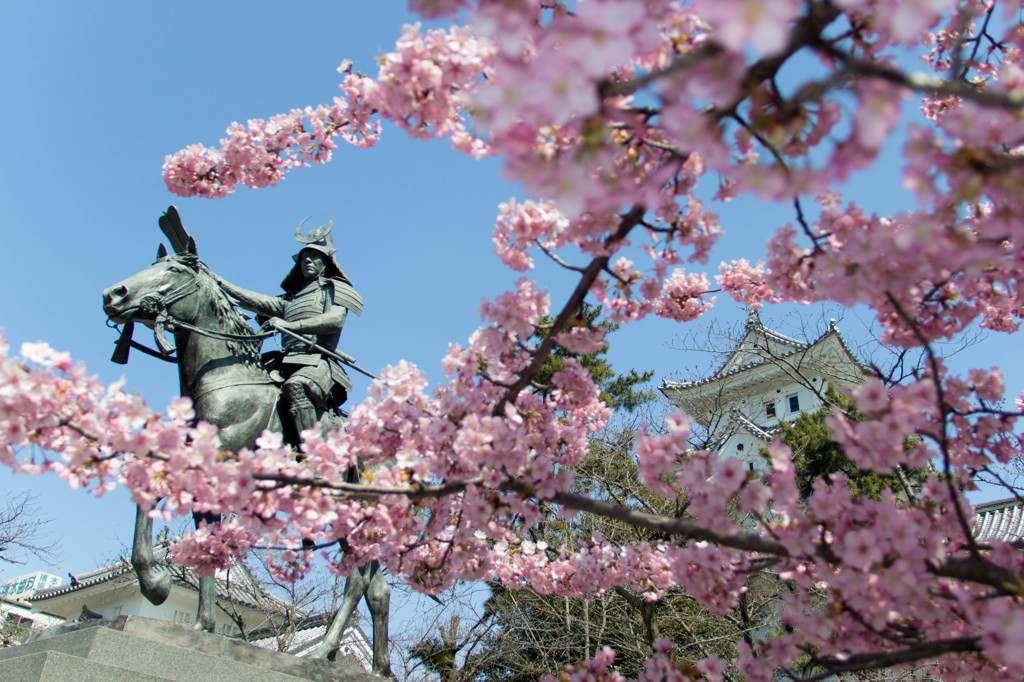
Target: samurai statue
x=317, y=297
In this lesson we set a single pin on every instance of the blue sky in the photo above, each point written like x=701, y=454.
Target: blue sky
x=96, y=94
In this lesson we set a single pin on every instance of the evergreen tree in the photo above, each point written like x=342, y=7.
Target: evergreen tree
x=538, y=634
x=618, y=391
x=816, y=455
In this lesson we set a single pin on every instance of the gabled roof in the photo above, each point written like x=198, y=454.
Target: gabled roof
x=757, y=342
x=999, y=520
x=84, y=580
x=764, y=433
x=307, y=633
x=760, y=347
x=236, y=585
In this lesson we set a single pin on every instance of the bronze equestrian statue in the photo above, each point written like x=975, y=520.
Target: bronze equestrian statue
x=232, y=386
x=317, y=297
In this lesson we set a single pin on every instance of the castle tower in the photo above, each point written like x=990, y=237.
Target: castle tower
x=767, y=378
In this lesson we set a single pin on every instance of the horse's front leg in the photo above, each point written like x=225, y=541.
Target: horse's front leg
x=205, y=619
x=355, y=587
x=154, y=582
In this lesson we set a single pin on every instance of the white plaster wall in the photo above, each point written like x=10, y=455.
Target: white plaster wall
x=180, y=607
x=749, y=454
x=752, y=406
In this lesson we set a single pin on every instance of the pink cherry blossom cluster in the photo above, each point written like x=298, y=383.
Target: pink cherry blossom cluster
x=682, y=297
x=659, y=456
x=517, y=312
x=762, y=25
x=879, y=444
x=259, y=153
x=451, y=481
x=421, y=86
x=745, y=283
x=523, y=225
x=921, y=290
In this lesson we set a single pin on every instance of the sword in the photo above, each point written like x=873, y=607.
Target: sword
x=343, y=358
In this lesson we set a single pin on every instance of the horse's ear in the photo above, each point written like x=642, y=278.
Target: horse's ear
x=161, y=252
x=192, y=246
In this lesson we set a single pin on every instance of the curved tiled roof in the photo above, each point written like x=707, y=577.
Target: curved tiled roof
x=765, y=433
x=797, y=346
x=84, y=580
x=752, y=326
x=239, y=587
x=999, y=520
x=302, y=637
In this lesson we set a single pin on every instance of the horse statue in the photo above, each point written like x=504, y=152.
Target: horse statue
x=220, y=369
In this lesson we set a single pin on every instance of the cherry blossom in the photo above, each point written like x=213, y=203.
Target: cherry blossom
x=627, y=125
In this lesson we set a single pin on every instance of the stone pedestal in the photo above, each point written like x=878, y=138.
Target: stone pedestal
x=135, y=648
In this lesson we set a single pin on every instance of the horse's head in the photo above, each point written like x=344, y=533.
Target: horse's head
x=169, y=280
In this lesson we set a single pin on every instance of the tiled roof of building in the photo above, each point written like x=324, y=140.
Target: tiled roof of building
x=754, y=325
x=302, y=637
x=237, y=585
x=765, y=433
x=999, y=520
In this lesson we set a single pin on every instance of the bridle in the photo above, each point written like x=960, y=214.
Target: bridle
x=158, y=306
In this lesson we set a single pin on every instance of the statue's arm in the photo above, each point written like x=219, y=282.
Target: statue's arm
x=268, y=306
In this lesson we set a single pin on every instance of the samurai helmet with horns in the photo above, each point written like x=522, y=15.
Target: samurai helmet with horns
x=318, y=240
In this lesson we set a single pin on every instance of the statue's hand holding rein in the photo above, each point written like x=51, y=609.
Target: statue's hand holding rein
x=277, y=324
x=273, y=324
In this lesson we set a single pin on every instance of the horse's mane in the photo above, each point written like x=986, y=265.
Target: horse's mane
x=248, y=350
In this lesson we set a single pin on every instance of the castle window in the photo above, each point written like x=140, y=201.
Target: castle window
x=740, y=447
x=769, y=410
x=794, y=403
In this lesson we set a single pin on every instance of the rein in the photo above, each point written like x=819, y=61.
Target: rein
x=159, y=306
x=167, y=357
x=156, y=304
x=223, y=336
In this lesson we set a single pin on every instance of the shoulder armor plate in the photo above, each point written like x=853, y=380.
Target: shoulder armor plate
x=347, y=297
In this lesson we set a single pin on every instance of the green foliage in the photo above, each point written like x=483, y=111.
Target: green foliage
x=440, y=654
x=538, y=634
x=618, y=391
x=816, y=455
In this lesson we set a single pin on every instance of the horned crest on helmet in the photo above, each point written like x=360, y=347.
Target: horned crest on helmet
x=318, y=240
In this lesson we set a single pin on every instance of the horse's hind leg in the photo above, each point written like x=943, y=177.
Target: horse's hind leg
x=154, y=582
x=378, y=600
x=355, y=587
x=205, y=619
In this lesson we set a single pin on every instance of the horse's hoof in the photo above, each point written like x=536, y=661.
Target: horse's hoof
x=154, y=585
